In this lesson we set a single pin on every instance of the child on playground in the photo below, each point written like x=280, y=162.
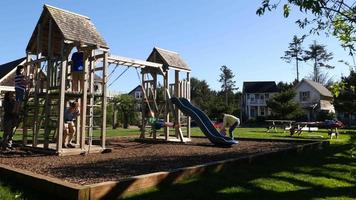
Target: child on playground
x=77, y=69
x=228, y=121
x=10, y=120
x=70, y=115
x=159, y=123
x=20, y=87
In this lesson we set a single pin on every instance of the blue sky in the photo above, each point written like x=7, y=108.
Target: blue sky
x=207, y=34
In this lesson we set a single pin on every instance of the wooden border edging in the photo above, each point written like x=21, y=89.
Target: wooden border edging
x=58, y=189
x=115, y=189
x=54, y=187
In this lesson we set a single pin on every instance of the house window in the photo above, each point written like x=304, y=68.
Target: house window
x=267, y=96
x=252, y=97
x=138, y=95
x=262, y=111
x=304, y=96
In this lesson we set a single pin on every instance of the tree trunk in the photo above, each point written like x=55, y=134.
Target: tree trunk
x=296, y=61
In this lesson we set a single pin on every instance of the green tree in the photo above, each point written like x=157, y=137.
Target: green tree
x=319, y=56
x=345, y=94
x=294, y=52
x=336, y=17
x=284, y=107
x=284, y=86
x=228, y=85
x=125, y=103
x=201, y=94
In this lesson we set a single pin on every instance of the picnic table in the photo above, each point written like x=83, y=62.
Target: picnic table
x=299, y=127
x=273, y=124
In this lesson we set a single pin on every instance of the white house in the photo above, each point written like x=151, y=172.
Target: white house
x=254, y=97
x=137, y=94
x=313, y=97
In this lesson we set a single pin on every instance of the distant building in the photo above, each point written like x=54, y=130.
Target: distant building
x=137, y=94
x=313, y=97
x=7, y=74
x=254, y=97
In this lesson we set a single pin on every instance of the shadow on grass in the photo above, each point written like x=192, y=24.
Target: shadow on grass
x=291, y=177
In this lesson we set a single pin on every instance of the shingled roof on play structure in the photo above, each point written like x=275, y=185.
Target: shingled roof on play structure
x=67, y=26
x=260, y=87
x=167, y=58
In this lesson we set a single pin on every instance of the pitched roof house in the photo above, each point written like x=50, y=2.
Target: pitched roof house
x=254, y=97
x=313, y=97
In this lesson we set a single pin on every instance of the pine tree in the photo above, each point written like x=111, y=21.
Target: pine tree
x=294, y=52
x=319, y=56
x=227, y=83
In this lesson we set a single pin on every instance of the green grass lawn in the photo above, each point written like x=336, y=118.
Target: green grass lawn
x=326, y=174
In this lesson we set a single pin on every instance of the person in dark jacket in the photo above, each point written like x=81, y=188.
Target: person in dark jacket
x=10, y=120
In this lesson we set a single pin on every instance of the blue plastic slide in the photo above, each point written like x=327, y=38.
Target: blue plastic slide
x=203, y=122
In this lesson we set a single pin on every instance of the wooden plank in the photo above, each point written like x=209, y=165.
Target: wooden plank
x=61, y=99
x=139, y=63
x=104, y=99
x=91, y=100
x=166, y=105
x=47, y=101
x=84, y=101
x=176, y=93
x=188, y=97
x=35, y=75
x=24, y=119
x=143, y=119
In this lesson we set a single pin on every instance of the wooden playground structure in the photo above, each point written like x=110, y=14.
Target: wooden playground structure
x=48, y=51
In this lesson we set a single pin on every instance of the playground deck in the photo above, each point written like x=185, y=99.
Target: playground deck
x=130, y=157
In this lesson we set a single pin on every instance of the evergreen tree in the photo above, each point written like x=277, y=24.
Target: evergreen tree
x=345, y=94
x=201, y=94
x=227, y=83
x=319, y=56
x=294, y=52
x=125, y=103
x=284, y=107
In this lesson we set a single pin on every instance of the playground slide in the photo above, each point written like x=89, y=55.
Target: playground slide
x=203, y=122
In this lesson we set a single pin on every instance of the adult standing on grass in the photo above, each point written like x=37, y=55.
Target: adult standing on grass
x=228, y=121
x=10, y=120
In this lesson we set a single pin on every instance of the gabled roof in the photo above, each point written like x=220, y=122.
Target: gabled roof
x=167, y=58
x=317, y=86
x=135, y=89
x=260, y=87
x=66, y=25
x=6, y=68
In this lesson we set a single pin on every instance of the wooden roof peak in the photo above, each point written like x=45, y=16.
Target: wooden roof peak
x=67, y=11
x=169, y=59
x=65, y=25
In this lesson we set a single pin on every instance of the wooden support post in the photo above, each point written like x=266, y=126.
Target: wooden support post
x=35, y=128
x=24, y=121
x=61, y=98
x=166, y=105
x=47, y=101
x=91, y=100
x=84, y=101
x=176, y=93
x=144, y=106
x=104, y=100
x=188, y=97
